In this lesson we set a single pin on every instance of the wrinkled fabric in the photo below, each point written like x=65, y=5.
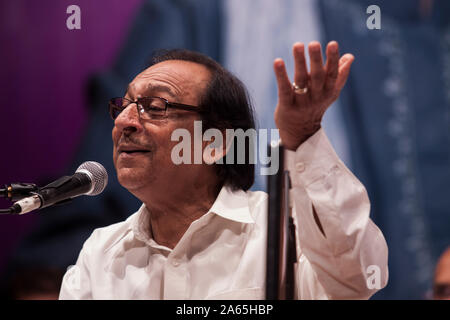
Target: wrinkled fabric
x=222, y=255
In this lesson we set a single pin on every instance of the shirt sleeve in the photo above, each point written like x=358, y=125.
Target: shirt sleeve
x=76, y=284
x=343, y=255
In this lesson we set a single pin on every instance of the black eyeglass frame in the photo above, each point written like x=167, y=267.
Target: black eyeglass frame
x=180, y=106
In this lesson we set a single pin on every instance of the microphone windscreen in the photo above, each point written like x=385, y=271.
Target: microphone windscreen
x=98, y=174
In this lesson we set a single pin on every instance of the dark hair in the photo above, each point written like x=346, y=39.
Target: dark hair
x=227, y=106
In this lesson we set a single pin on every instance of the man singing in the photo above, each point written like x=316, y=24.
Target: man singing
x=200, y=234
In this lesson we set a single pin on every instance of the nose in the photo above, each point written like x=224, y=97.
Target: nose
x=128, y=119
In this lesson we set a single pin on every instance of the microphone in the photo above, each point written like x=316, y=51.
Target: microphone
x=89, y=179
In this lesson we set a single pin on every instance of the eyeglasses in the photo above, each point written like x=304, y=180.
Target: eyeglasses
x=148, y=107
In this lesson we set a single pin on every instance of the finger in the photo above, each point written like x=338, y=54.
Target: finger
x=285, y=92
x=332, y=66
x=317, y=69
x=345, y=64
x=301, y=71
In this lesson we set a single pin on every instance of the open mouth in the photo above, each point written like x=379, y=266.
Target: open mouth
x=134, y=151
x=129, y=153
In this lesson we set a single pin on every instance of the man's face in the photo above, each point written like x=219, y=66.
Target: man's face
x=142, y=148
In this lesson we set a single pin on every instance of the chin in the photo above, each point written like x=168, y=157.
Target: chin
x=128, y=177
x=133, y=178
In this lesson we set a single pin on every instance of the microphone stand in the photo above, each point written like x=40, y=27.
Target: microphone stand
x=17, y=191
x=281, y=235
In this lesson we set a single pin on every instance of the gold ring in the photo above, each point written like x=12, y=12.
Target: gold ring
x=299, y=90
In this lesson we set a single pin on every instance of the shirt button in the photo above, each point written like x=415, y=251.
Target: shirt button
x=176, y=262
x=300, y=166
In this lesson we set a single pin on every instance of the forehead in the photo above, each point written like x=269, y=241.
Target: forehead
x=175, y=78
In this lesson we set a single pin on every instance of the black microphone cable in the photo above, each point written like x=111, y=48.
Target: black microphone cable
x=6, y=211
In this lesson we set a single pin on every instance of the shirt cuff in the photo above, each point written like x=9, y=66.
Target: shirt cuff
x=313, y=160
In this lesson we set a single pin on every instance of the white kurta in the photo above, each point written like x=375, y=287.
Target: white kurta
x=222, y=254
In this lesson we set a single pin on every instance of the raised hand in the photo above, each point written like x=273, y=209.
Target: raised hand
x=302, y=104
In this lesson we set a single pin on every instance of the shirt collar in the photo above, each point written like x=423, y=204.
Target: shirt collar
x=140, y=225
x=232, y=205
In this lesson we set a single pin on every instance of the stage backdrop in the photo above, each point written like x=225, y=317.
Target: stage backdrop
x=397, y=111
x=391, y=125
x=44, y=71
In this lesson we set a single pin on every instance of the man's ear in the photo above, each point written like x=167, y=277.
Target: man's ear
x=214, y=148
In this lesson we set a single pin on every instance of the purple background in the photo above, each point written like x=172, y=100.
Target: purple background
x=44, y=68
